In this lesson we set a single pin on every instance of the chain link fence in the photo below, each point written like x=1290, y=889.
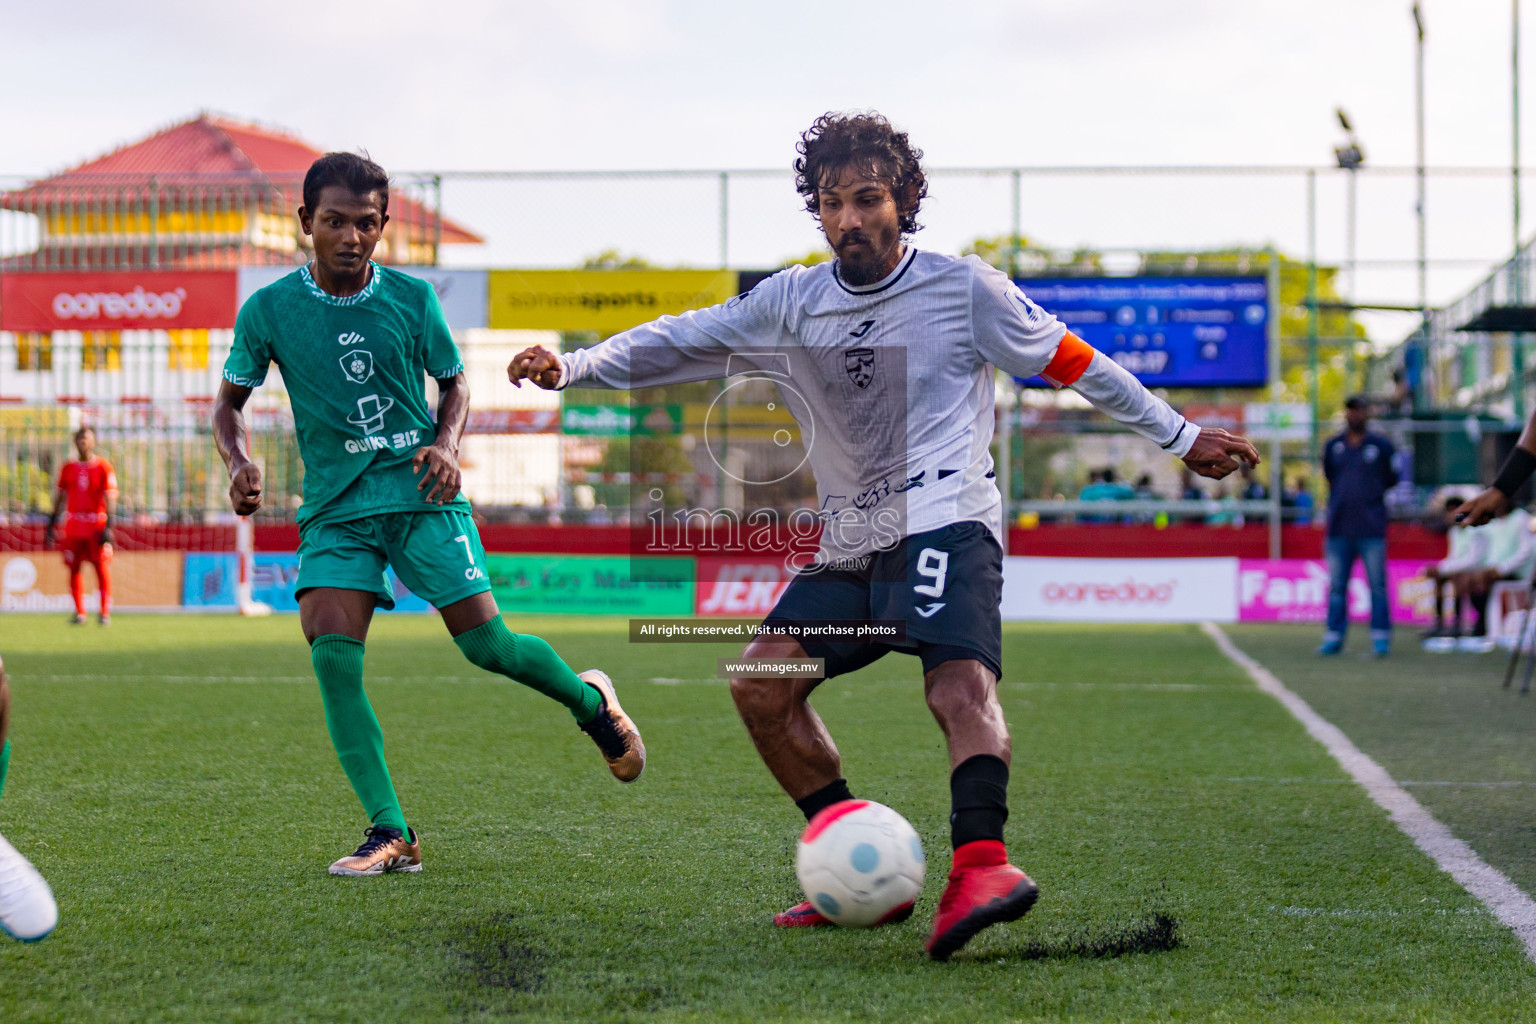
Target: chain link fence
x=1360, y=227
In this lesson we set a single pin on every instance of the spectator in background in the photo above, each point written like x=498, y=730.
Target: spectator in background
x=1511, y=555
x=1299, y=501
x=1359, y=467
x=1102, y=486
x=1189, y=489
x=1146, y=492
x=1252, y=489
x=1465, y=549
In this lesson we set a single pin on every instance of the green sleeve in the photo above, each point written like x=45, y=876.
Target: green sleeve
x=251, y=353
x=439, y=353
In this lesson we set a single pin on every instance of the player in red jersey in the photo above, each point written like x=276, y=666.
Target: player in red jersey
x=88, y=488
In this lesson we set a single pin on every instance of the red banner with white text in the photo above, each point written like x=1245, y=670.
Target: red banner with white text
x=122, y=300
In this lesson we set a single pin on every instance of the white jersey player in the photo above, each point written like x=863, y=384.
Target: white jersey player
x=886, y=357
x=27, y=909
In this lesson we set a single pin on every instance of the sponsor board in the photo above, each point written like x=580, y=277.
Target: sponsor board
x=1296, y=590
x=38, y=582
x=599, y=300
x=460, y=292
x=592, y=584
x=211, y=578
x=745, y=587
x=1120, y=589
x=119, y=300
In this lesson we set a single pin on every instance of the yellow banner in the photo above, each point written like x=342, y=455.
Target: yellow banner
x=599, y=300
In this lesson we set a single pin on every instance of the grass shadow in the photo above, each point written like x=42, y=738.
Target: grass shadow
x=1158, y=932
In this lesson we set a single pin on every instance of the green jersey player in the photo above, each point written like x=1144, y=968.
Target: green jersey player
x=354, y=342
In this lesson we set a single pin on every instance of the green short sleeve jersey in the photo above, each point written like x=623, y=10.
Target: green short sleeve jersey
x=355, y=370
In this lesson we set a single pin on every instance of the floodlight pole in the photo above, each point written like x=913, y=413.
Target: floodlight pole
x=1013, y=242
x=725, y=219
x=1312, y=326
x=1272, y=332
x=1418, y=80
x=1517, y=263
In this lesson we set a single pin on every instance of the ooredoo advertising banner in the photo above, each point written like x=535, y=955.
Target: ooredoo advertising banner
x=1296, y=590
x=121, y=300
x=1120, y=589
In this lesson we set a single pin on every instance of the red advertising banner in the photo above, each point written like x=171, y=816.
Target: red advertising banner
x=121, y=300
x=747, y=586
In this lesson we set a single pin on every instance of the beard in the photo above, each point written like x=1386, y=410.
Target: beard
x=866, y=265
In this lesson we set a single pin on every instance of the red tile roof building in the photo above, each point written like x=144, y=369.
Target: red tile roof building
x=208, y=193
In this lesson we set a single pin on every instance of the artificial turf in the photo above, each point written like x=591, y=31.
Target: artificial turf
x=1199, y=857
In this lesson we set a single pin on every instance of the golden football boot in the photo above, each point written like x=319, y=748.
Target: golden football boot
x=383, y=850
x=613, y=731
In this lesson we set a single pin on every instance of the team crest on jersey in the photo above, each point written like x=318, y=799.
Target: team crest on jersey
x=357, y=365
x=860, y=364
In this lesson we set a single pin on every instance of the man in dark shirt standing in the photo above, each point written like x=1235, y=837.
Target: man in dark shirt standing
x=1359, y=468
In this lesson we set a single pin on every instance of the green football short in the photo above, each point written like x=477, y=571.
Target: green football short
x=437, y=554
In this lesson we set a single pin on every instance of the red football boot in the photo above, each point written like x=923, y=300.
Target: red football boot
x=803, y=915
x=983, y=890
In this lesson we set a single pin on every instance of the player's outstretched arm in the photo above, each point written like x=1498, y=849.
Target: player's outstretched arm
x=230, y=435
x=441, y=457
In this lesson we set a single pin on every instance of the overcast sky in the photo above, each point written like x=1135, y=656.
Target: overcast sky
x=619, y=84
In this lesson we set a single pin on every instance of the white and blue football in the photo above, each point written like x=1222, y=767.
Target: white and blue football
x=860, y=863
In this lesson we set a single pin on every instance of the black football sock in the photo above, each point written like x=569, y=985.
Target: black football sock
x=826, y=796
x=979, y=794
x=1480, y=609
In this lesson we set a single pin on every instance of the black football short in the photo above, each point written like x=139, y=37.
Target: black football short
x=946, y=585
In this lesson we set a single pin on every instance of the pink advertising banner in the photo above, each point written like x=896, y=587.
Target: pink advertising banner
x=1296, y=590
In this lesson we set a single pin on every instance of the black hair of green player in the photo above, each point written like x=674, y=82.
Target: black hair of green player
x=868, y=145
x=353, y=172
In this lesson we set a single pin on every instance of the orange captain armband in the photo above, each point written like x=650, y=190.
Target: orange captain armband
x=1070, y=362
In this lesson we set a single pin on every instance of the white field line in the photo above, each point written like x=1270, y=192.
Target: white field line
x=1508, y=902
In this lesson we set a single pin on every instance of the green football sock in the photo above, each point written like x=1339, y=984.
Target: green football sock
x=354, y=730
x=529, y=660
x=5, y=762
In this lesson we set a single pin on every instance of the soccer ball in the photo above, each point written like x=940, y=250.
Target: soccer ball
x=858, y=862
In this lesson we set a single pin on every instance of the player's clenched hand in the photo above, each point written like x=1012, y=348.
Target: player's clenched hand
x=1482, y=509
x=1216, y=453
x=245, y=489
x=442, y=472
x=537, y=364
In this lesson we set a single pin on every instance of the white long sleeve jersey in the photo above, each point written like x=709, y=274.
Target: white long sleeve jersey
x=891, y=383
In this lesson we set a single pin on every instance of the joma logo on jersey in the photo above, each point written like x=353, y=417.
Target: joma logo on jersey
x=348, y=338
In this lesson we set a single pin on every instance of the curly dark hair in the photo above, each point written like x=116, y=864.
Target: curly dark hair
x=865, y=143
